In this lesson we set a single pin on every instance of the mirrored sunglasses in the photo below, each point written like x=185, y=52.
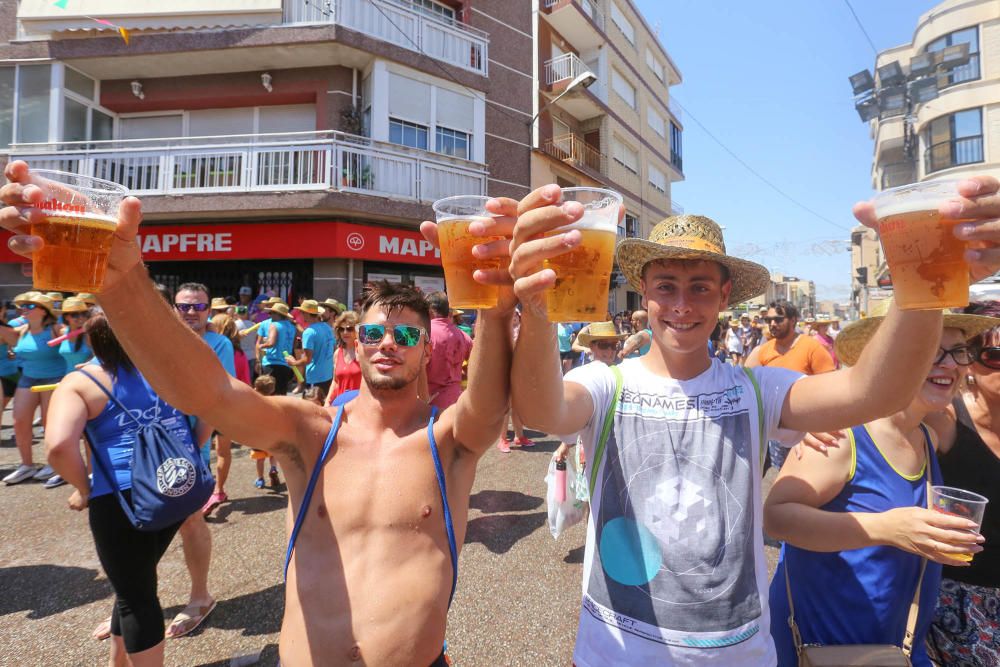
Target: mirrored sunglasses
x=989, y=357
x=188, y=307
x=405, y=335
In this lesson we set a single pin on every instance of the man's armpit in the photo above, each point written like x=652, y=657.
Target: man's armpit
x=290, y=452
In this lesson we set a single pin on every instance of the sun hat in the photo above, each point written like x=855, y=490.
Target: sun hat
x=38, y=299
x=337, y=306
x=691, y=237
x=280, y=308
x=599, y=331
x=56, y=297
x=219, y=303
x=853, y=338
x=74, y=304
x=87, y=298
x=309, y=306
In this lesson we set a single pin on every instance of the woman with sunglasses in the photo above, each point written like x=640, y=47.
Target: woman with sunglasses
x=860, y=543
x=966, y=627
x=75, y=350
x=40, y=365
x=346, y=367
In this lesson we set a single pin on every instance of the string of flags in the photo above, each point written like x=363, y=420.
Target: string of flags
x=122, y=32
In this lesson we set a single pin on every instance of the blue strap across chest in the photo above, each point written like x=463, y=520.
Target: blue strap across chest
x=339, y=403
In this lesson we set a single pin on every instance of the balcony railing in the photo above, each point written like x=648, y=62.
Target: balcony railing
x=316, y=161
x=573, y=149
x=401, y=23
x=952, y=153
x=566, y=67
x=588, y=7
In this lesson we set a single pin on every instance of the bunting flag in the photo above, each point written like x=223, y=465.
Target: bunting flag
x=122, y=32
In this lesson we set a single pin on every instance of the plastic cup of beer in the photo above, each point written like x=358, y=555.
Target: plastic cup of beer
x=454, y=215
x=959, y=502
x=81, y=215
x=925, y=258
x=583, y=275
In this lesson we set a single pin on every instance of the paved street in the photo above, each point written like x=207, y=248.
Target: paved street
x=517, y=600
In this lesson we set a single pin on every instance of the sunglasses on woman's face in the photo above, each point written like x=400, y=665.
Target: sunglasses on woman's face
x=349, y=327
x=405, y=335
x=28, y=306
x=989, y=357
x=75, y=314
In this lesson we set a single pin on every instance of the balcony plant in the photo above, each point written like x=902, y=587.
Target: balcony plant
x=360, y=176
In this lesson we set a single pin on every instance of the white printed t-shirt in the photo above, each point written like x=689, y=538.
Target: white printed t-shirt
x=674, y=569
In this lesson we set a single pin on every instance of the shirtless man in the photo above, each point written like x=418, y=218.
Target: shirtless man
x=371, y=574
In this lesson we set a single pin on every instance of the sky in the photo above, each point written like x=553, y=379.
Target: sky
x=769, y=80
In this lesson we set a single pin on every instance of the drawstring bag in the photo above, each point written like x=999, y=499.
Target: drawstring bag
x=170, y=481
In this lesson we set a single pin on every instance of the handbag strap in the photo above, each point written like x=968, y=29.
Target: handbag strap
x=911, y=619
x=609, y=419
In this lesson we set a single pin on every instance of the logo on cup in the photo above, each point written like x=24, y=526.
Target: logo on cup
x=175, y=477
x=53, y=205
x=355, y=241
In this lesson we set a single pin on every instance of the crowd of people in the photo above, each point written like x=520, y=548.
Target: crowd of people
x=379, y=461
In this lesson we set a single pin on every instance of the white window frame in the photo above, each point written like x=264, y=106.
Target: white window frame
x=621, y=150
x=655, y=66
x=657, y=178
x=617, y=78
x=468, y=141
x=426, y=129
x=619, y=19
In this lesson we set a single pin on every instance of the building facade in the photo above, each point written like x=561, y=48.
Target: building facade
x=955, y=134
x=622, y=132
x=288, y=145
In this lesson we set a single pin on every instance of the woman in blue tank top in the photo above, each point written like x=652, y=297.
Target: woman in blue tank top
x=40, y=364
x=855, y=521
x=129, y=556
x=279, y=342
x=75, y=350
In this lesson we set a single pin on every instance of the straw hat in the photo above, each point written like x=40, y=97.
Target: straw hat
x=310, y=306
x=219, y=303
x=280, y=308
x=74, y=304
x=853, y=338
x=87, y=298
x=599, y=331
x=56, y=297
x=38, y=299
x=335, y=305
x=691, y=237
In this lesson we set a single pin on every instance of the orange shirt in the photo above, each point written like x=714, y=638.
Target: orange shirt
x=807, y=355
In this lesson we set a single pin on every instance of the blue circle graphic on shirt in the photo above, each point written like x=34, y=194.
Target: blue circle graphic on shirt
x=630, y=553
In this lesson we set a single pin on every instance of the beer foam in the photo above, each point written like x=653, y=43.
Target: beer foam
x=462, y=218
x=85, y=219
x=600, y=220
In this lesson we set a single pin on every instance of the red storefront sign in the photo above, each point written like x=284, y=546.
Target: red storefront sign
x=287, y=240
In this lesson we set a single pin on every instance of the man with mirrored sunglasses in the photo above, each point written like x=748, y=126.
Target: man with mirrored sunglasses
x=378, y=484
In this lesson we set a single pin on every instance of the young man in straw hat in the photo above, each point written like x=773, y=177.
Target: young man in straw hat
x=674, y=568
x=374, y=564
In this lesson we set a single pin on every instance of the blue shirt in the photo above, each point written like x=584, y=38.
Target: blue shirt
x=275, y=356
x=111, y=434
x=564, y=332
x=72, y=356
x=223, y=350
x=38, y=360
x=861, y=596
x=318, y=337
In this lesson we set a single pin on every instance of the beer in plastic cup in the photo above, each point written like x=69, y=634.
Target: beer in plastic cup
x=583, y=275
x=925, y=258
x=958, y=502
x=81, y=215
x=454, y=215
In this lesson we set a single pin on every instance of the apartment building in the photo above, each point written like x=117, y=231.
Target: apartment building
x=800, y=293
x=935, y=121
x=621, y=131
x=290, y=145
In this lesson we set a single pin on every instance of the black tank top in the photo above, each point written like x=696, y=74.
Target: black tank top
x=973, y=466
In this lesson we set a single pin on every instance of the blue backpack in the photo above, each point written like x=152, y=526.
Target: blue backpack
x=170, y=481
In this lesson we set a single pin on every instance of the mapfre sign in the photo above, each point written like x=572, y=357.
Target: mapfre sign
x=284, y=240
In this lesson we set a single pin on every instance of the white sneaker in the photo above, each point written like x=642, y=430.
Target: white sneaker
x=54, y=481
x=22, y=473
x=44, y=473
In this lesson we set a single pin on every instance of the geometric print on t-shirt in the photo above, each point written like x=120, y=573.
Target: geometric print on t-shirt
x=674, y=519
